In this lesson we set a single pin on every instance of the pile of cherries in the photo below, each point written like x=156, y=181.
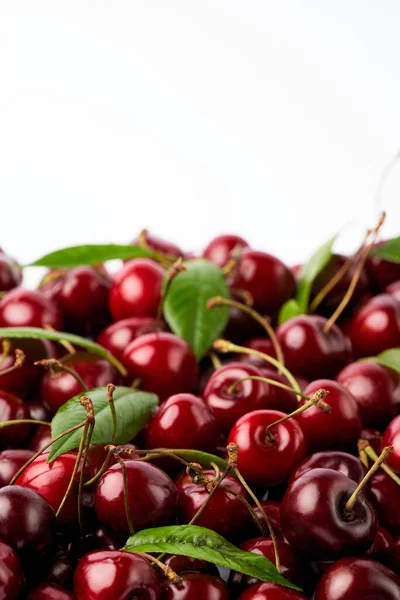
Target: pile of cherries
x=334, y=539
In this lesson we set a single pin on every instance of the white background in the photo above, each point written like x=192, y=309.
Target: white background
x=272, y=119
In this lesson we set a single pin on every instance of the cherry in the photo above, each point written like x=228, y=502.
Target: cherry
x=375, y=327
x=26, y=519
x=374, y=438
x=186, y=564
x=49, y=591
x=272, y=510
x=391, y=558
x=358, y=579
x=97, y=454
x=261, y=344
x=152, y=497
x=36, y=410
x=314, y=518
x=10, y=273
x=394, y=290
x=13, y=408
x=227, y=404
x=311, y=351
x=116, y=337
x=340, y=428
x=382, y=542
x=263, y=461
x=115, y=575
x=270, y=591
x=382, y=272
x=372, y=387
x=58, y=387
x=385, y=495
x=136, y=290
x=29, y=308
x=344, y=463
x=224, y=513
x=391, y=437
x=97, y=539
x=11, y=575
x=219, y=249
x=10, y=462
x=196, y=585
x=286, y=401
x=163, y=362
x=40, y=438
x=25, y=380
x=158, y=244
x=269, y=281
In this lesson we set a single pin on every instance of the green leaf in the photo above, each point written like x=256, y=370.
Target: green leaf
x=388, y=358
x=197, y=456
x=310, y=271
x=185, y=307
x=133, y=408
x=36, y=333
x=199, y=542
x=92, y=254
x=289, y=310
x=390, y=250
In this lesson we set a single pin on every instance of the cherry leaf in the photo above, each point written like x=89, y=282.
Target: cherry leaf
x=388, y=358
x=390, y=250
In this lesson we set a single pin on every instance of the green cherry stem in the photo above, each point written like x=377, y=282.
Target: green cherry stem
x=84, y=459
x=168, y=572
x=23, y=421
x=364, y=446
x=111, y=404
x=19, y=361
x=233, y=388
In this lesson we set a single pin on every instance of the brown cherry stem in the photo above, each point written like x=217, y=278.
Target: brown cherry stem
x=332, y=282
x=365, y=446
x=81, y=482
x=168, y=572
x=164, y=259
x=176, y=268
x=67, y=345
x=110, y=398
x=102, y=470
x=19, y=361
x=232, y=388
x=243, y=295
x=233, y=261
x=250, y=509
x=52, y=364
x=126, y=496
x=216, y=363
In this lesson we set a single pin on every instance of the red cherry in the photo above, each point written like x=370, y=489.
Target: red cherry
x=116, y=337
x=219, y=249
x=11, y=575
x=391, y=437
x=10, y=273
x=263, y=462
x=36, y=410
x=152, y=497
x=115, y=575
x=40, y=438
x=136, y=290
x=342, y=462
x=13, y=408
x=270, y=591
x=183, y=421
x=261, y=344
x=159, y=245
x=309, y=350
x=286, y=401
x=314, y=519
x=29, y=308
x=382, y=272
x=186, y=564
x=272, y=510
x=394, y=290
x=340, y=428
x=382, y=542
x=385, y=495
x=10, y=462
x=163, y=362
x=358, y=579
x=391, y=558
x=196, y=585
x=96, y=539
x=374, y=437
x=49, y=591
x=25, y=380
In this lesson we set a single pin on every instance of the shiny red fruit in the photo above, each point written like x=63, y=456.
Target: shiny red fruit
x=394, y=290
x=342, y=462
x=385, y=495
x=50, y=591
x=272, y=511
x=10, y=273
x=391, y=437
x=196, y=586
x=158, y=244
x=13, y=408
x=25, y=380
x=10, y=462
x=219, y=249
x=116, y=337
x=29, y=308
x=270, y=591
x=11, y=575
x=382, y=272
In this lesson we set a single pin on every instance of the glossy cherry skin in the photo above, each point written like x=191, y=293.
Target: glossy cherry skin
x=358, y=579
x=96, y=539
x=224, y=513
x=344, y=463
x=115, y=575
x=183, y=421
x=25, y=380
x=385, y=495
x=116, y=337
x=272, y=510
x=310, y=351
x=219, y=249
x=340, y=428
x=40, y=438
x=374, y=437
x=394, y=290
x=10, y=462
x=263, y=462
x=196, y=585
x=13, y=408
x=372, y=387
x=382, y=272
x=186, y=564
x=270, y=591
x=314, y=520
x=375, y=327
x=152, y=497
x=10, y=274
x=163, y=362
x=266, y=278
x=36, y=410
x=50, y=591
x=11, y=575
x=382, y=542
x=29, y=308
x=391, y=558
x=51, y=481
x=286, y=401
x=57, y=388
x=26, y=519
x=391, y=437
x=261, y=344
x=249, y=395
x=158, y=244
x=136, y=290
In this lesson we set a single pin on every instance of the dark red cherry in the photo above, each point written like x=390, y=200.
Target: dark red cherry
x=269, y=281
x=13, y=408
x=374, y=437
x=286, y=401
x=26, y=519
x=97, y=454
x=10, y=462
x=391, y=437
x=183, y=421
x=314, y=519
x=163, y=362
x=51, y=480
x=340, y=428
x=93, y=540
x=375, y=327
x=11, y=575
x=394, y=290
x=196, y=585
x=219, y=249
x=115, y=575
x=391, y=558
x=40, y=438
x=186, y=564
x=263, y=461
x=272, y=511
x=158, y=244
x=309, y=350
x=57, y=388
x=372, y=387
x=385, y=495
x=382, y=542
x=382, y=272
x=261, y=344
x=227, y=405
x=358, y=579
x=25, y=380
x=270, y=591
x=342, y=462
x=36, y=410
x=136, y=289
x=49, y=591
x=224, y=513
x=152, y=497
x=29, y=308
x=116, y=337
x=10, y=273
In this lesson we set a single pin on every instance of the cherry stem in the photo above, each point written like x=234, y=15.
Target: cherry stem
x=365, y=446
x=233, y=260
x=67, y=345
x=23, y=421
x=126, y=495
x=176, y=268
x=164, y=259
x=332, y=282
x=233, y=388
x=263, y=321
x=248, y=506
x=110, y=398
x=216, y=363
x=349, y=506
x=225, y=347
x=99, y=473
x=168, y=572
x=6, y=345
x=19, y=361
x=80, y=488
x=52, y=364
x=244, y=295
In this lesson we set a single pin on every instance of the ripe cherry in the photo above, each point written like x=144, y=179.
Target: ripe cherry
x=25, y=380
x=272, y=511
x=374, y=438
x=394, y=290
x=40, y=438
x=261, y=344
x=158, y=244
x=136, y=290
x=186, y=564
x=385, y=495
x=152, y=497
x=13, y=408
x=263, y=460
x=116, y=337
x=29, y=308
x=382, y=542
x=196, y=585
x=219, y=249
x=50, y=591
x=391, y=437
x=270, y=591
x=342, y=462
x=163, y=362
x=10, y=462
x=10, y=273
x=382, y=272
x=11, y=575
x=115, y=575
